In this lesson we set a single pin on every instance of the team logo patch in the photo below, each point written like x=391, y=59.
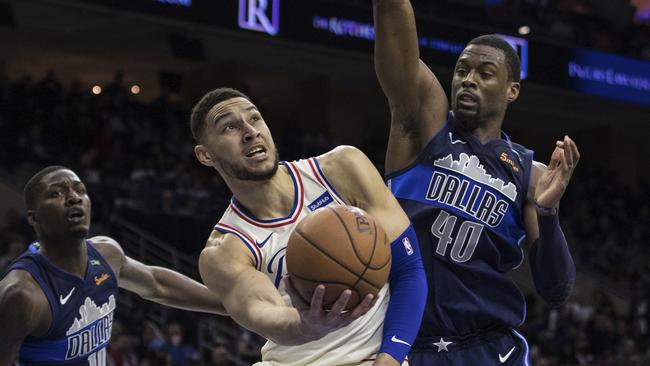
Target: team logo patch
x=100, y=279
x=506, y=159
x=407, y=245
x=323, y=200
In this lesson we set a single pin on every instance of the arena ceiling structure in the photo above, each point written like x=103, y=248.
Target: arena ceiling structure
x=199, y=43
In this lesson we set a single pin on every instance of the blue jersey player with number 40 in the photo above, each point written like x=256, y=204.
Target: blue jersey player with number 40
x=474, y=197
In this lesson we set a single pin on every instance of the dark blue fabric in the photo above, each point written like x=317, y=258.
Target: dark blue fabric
x=505, y=348
x=551, y=264
x=465, y=200
x=408, y=294
x=82, y=310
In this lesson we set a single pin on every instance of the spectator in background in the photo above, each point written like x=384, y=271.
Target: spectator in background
x=120, y=350
x=178, y=352
x=219, y=356
x=150, y=348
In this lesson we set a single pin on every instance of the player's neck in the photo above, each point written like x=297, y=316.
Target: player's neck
x=70, y=255
x=269, y=199
x=487, y=133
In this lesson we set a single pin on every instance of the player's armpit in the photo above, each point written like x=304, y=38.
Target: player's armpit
x=22, y=313
x=417, y=101
x=357, y=180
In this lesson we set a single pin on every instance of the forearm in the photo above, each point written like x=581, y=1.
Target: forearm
x=397, y=52
x=179, y=291
x=408, y=289
x=552, y=266
x=277, y=323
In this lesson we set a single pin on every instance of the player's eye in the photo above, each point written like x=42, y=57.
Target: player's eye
x=461, y=72
x=55, y=194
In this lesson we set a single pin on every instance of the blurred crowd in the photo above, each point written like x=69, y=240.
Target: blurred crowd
x=137, y=157
x=608, y=25
x=616, y=26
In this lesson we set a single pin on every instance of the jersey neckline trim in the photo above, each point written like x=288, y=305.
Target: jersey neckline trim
x=298, y=200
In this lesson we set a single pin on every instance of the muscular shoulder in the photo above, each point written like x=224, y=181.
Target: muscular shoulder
x=353, y=175
x=223, y=255
x=22, y=302
x=19, y=286
x=344, y=162
x=224, y=249
x=111, y=250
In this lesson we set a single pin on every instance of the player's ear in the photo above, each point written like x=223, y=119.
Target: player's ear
x=32, y=218
x=513, y=91
x=203, y=155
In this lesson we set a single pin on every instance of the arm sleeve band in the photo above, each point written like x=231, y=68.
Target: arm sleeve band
x=551, y=264
x=408, y=295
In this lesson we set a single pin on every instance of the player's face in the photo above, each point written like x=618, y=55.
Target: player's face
x=480, y=90
x=238, y=142
x=63, y=208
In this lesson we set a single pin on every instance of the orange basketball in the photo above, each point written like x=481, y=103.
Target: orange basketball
x=340, y=247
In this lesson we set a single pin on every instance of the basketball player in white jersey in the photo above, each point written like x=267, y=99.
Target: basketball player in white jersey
x=244, y=257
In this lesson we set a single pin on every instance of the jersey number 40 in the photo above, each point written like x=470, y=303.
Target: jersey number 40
x=466, y=239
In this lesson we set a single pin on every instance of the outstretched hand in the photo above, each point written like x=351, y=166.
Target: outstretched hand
x=317, y=322
x=553, y=182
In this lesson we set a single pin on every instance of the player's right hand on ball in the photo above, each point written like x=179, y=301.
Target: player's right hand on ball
x=317, y=322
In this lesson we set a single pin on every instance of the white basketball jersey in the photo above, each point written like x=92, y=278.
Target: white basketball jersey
x=267, y=241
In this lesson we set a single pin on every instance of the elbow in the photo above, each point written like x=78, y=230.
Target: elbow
x=557, y=295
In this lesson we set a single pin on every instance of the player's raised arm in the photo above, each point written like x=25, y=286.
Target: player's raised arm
x=158, y=284
x=359, y=183
x=21, y=313
x=252, y=300
x=551, y=264
x=417, y=101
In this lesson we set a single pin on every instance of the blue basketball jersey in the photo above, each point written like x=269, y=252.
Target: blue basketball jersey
x=465, y=200
x=82, y=311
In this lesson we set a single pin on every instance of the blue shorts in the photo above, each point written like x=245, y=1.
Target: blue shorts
x=496, y=348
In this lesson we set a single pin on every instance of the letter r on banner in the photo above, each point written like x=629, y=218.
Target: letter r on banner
x=260, y=15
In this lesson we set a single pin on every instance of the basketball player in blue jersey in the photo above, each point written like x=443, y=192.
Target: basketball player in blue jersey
x=474, y=197
x=57, y=299
x=244, y=257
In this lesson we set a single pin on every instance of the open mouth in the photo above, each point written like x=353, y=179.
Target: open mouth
x=76, y=215
x=466, y=99
x=256, y=151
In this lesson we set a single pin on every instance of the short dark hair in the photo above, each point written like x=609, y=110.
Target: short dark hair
x=512, y=59
x=33, y=186
x=209, y=100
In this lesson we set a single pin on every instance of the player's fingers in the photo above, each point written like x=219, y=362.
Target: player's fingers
x=576, y=153
x=568, y=152
x=340, y=304
x=556, y=158
x=364, y=306
x=564, y=160
x=317, y=300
